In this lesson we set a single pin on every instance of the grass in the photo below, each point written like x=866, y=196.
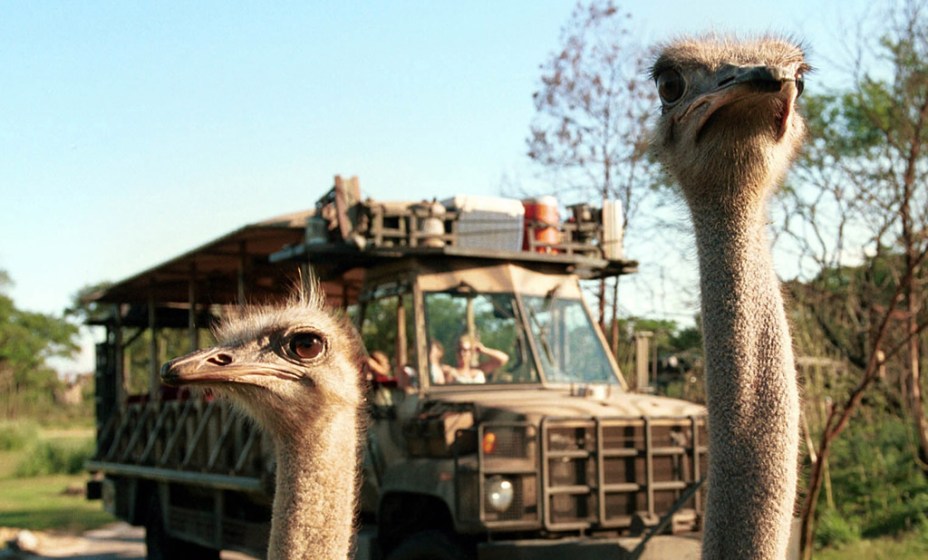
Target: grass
x=41, y=503
x=8, y=462
x=17, y=435
x=48, y=501
x=909, y=546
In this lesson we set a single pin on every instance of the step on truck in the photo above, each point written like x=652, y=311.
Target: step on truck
x=499, y=424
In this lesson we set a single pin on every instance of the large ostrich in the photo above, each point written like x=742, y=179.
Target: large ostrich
x=728, y=133
x=295, y=369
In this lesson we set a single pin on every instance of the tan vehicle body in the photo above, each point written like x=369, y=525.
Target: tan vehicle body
x=552, y=455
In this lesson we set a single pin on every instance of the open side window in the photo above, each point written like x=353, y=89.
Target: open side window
x=493, y=320
x=388, y=332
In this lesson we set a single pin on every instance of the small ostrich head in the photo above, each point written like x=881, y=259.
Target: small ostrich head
x=285, y=365
x=728, y=118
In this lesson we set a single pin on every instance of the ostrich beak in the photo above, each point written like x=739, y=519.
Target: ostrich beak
x=740, y=82
x=202, y=366
x=217, y=366
x=762, y=78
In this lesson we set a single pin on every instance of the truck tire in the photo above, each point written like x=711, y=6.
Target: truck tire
x=429, y=545
x=159, y=545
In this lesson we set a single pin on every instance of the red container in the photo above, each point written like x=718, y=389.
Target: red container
x=541, y=224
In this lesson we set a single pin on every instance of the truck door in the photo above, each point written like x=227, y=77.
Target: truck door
x=388, y=331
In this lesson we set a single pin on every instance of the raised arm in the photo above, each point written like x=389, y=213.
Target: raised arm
x=492, y=358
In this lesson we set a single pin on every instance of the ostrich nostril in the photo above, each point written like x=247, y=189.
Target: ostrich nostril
x=220, y=359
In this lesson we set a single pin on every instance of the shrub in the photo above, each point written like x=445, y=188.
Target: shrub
x=15, y=435
x=921, y=530
x=50, y=457
x=833, y=530
x=877, y=485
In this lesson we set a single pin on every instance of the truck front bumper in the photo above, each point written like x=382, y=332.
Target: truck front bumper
x=659, y=547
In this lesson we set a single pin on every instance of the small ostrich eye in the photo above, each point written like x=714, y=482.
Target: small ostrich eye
x=800, y=84
x=307, y=346
x=670, y=86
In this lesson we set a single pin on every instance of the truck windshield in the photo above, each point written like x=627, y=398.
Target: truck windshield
x=479, y=338
x=569, y=349
x=476, y=338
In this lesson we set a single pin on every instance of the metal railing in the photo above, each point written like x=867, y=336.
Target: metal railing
x=192, y=440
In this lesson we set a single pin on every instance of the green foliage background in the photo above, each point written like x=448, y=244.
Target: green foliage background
x=27, y=341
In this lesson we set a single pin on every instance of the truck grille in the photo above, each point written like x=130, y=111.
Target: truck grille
x=599, y=473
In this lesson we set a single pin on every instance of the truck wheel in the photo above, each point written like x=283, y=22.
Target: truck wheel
x=159, y=545
x=429, y=545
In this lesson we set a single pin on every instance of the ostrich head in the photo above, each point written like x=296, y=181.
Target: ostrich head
x=728, y=115
x=285, y=366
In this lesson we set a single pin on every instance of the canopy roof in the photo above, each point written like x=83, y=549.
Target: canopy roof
x=217, y=271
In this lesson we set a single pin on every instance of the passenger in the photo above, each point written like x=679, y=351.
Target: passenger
x=381, y=380
x=469, y=352
x=385, y=372
x=378, y=365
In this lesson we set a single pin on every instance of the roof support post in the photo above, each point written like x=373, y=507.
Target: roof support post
x=154, y=372
x=422, y=336
x=402, y=344
x=119, y=359
x=192, y=330
x=242, y=263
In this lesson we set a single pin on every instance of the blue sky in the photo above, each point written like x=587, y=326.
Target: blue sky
x=131, y=132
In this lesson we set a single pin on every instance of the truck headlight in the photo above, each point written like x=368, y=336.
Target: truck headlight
x=499, y=493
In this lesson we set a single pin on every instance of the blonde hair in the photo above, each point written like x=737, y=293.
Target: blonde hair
x=471, y=338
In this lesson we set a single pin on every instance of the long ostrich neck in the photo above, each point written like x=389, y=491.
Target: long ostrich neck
x=316, y=477
x=750, y=386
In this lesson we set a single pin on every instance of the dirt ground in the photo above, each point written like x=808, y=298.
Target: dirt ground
x=118, y=541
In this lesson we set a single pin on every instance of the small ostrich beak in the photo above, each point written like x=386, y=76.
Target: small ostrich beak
x=202, y=366
x=214, y=366
x=768, y=79
x=740, y=82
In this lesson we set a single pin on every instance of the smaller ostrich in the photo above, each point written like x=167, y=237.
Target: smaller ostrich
x=295, y=370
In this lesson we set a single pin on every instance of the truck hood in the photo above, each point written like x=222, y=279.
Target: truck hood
x=533, y=404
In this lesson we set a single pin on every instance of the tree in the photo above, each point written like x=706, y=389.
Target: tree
x=678, y=353
x=27, y=341
x=592, y=111
x=862, y=183
x=84, y=308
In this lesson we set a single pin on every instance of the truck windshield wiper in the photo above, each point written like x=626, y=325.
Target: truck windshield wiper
x=542, y=337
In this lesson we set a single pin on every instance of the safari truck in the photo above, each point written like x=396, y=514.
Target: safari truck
x=546, y=453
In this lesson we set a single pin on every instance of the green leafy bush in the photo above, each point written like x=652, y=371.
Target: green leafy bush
x=17, y=435
x=54, y=457
x=835, y=531
x=878, y=491
x=921, y=530
x=877, y=484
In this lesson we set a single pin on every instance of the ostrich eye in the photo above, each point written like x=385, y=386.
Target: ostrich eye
x=670, y=86
x=800, y=84
x=307, y=346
